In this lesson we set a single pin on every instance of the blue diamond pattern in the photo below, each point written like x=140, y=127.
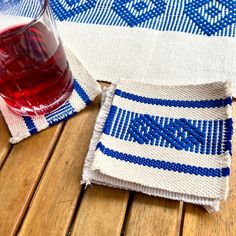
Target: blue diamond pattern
x=145, y=10
x=180, y=134
x=71, y=8
x=213, y=11
x=140, y=6
x=210, y=27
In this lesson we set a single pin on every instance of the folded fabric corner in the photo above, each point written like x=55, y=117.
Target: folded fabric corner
x=166, y=141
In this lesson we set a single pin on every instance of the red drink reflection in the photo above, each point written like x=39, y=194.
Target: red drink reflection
x=34, y=74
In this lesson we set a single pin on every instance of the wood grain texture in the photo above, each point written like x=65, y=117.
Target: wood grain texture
x=102, y=212
x=55, y=201
x=198, y=222
x=4, y=140
x=153, y=216
x=20, y=175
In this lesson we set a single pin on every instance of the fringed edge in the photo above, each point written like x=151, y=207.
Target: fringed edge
x=107, y=98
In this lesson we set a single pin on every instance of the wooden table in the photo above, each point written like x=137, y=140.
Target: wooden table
x=40, y=192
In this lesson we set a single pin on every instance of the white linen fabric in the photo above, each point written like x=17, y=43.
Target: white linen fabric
x=170, y=58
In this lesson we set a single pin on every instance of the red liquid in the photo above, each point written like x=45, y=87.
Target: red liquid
x=34, y=74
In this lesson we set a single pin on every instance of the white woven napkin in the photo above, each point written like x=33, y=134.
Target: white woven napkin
x=167, y=141
x=85, y=91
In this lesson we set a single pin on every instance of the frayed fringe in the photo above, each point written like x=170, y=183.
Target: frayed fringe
x=107, y=97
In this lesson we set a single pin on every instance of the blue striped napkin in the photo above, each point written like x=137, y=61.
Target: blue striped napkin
x=85, y=91
x=168, y=141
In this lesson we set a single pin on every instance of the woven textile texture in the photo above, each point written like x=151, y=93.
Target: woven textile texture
x=203, y=17
x=85, y=90
x=168, y=141
x=160, y=41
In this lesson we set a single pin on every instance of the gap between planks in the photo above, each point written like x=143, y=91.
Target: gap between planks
x=149, y=215
x=73, y=218
x=42, y=175
x=54, y=204
x=20, y=175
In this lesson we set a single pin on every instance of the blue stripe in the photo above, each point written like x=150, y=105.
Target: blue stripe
x=209, y=146
x=133, y=115
x=58, y=119
x=164, y=165
x=228, y=135
x=62, y=109
x=217, y=103
x=125, y=129
x=116, y=122
x=120, y=124
x=214, y=138
x=63, y=113
x=109, y=120
x=122, y=133
x=204, y=131
x=82, y=93
x=30, y=124
x=158, y=138
x=221, y=123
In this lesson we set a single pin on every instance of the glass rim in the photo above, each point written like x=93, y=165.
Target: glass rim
x=28, y=25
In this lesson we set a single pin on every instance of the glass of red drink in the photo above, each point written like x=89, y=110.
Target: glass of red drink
x=35, y=77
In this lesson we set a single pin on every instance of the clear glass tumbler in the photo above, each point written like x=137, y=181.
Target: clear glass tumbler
x=35, y=77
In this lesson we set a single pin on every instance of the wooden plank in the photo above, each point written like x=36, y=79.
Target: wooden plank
x=4, y=140
x=102, y=212
x=20, y=175
x=199, y=222
x=56, y=198
x=153, y=216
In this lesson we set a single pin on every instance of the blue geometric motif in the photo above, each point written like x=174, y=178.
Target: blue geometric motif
x=140, y=6
x=211, y=16
x=180, y=133
x=213, y=11
x=199, y=136
x=135, y=12
x=71, y=8
x=201, y=17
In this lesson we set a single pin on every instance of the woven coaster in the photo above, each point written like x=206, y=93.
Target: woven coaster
x=85, y=91
x=167, y=141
